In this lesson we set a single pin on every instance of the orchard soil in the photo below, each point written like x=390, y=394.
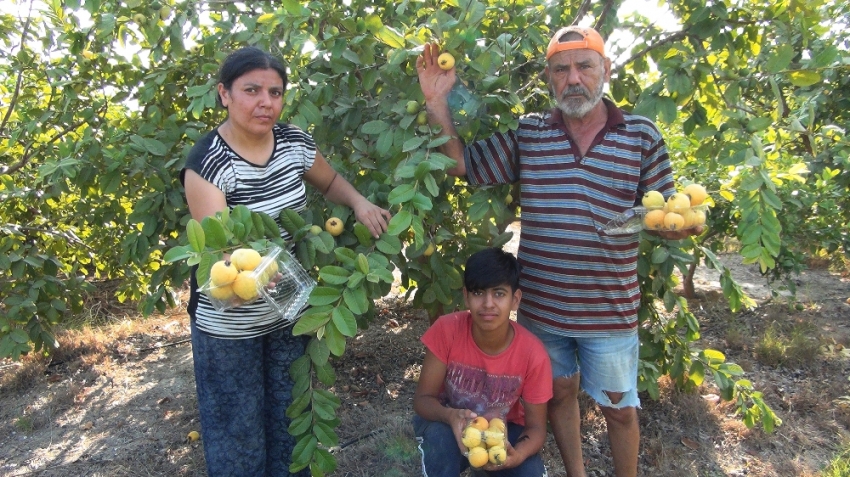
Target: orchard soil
x=119, y=399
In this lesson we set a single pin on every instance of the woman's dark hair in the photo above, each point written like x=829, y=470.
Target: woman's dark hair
x=489, y=268
x=243, y=61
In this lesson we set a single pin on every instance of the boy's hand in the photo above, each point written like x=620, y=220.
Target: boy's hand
x=513, y=459
x=459, y=418
x=433, y=80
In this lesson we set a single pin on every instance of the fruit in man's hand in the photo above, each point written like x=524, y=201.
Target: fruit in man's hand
x=699, y=218
x=478, y=457
x=654, y=219
x=673, y=221
x=245, y=286
x=223, y=272
x=412, y=107
x=494, y=438
x=497, y=455
x=689, y=216
x=333, y=226
x=652, y=200
x=480, y=423
x=497, y=425
x=446, y=61
x=245, y=258
x=471, y=437
x=696, y=193
x=678, y=203
x=315, y=230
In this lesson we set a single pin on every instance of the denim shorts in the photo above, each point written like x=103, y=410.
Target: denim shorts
x=606, y=363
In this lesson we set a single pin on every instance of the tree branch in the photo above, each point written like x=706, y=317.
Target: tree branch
x=669, y=39
x=20, y=79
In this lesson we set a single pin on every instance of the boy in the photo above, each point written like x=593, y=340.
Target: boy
x=479, y=362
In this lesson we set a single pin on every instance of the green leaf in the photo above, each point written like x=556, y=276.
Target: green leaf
x=311, y=321
x=178, y=253
x=376, y=126
x=345, y=321
x=335, y=340
x=803, y=78
x=334, y=275
x=362, y=264
x=195, y=235
x=779, y=58
x=304, y=448
x=325, y=373
x=356, y=300
x=389, y=244
x=399, y=223
x=216, y=236
x=713, y=356
x=300, y=424
x=323, y=296
x=402, y=193
x=696, y=375
x=390, y=37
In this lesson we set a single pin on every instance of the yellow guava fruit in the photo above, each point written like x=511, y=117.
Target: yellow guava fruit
x=678, y=202
x=223, y=273
x=494, y=438
x=471, y=437
x=478, y=457
x=696, y=194
x=222, y=292
x=497, y=455
x=245, y=258
x=245, y=286
x=652, y=200
x=654, y=219
x=497, y=425
x=673, y=221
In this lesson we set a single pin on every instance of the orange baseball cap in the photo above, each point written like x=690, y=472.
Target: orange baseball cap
x=592, y=41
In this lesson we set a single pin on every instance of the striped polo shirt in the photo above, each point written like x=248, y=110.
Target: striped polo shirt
x=270, y=188
x=576, y=281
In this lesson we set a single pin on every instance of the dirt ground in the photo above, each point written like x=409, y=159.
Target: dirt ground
x=124, y=402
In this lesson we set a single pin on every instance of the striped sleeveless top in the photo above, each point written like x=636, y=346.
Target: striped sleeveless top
x=269, y=188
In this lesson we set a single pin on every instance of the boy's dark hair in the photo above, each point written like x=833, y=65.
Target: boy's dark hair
x=245, y=60
x=489, y=268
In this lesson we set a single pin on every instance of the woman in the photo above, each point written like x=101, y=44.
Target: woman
x=242, y=356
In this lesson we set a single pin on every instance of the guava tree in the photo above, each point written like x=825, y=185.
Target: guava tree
x=100, y=102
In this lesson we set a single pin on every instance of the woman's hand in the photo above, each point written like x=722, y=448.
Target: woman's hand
x=373, y=217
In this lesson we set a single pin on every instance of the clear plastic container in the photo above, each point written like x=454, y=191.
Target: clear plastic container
x=635, y=219
x=279, y=280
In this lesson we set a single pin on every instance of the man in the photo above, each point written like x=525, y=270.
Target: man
x=578, y=166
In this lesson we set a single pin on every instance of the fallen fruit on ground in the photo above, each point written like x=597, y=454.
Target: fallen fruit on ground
x=223, y=273
x=478, y=457
x=497, y=455
x=334, y=226
x=652, y=200
x=245, y=286
x=446, y=61
x=245, y=258
x=193, y=436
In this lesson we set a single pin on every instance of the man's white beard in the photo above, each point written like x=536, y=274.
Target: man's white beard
x=577, y=109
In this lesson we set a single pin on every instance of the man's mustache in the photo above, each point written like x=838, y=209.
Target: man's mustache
x=575, y=90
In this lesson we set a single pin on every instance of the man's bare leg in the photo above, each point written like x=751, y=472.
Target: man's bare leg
x=565, y=419
x=623, y=435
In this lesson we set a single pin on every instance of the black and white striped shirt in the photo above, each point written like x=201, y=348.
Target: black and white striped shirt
x=269, y=188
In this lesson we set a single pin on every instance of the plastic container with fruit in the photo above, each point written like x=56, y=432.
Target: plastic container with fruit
x=486, y=441
x=247, y=276
x=684, y=210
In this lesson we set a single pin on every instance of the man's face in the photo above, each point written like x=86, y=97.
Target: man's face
x=491, y=307
x=577, y=80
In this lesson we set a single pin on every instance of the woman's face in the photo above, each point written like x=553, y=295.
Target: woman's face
x=254, y=101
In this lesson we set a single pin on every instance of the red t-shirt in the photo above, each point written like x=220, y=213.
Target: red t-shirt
x=489, y=385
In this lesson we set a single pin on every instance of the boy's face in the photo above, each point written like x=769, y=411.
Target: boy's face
x=492, y=307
